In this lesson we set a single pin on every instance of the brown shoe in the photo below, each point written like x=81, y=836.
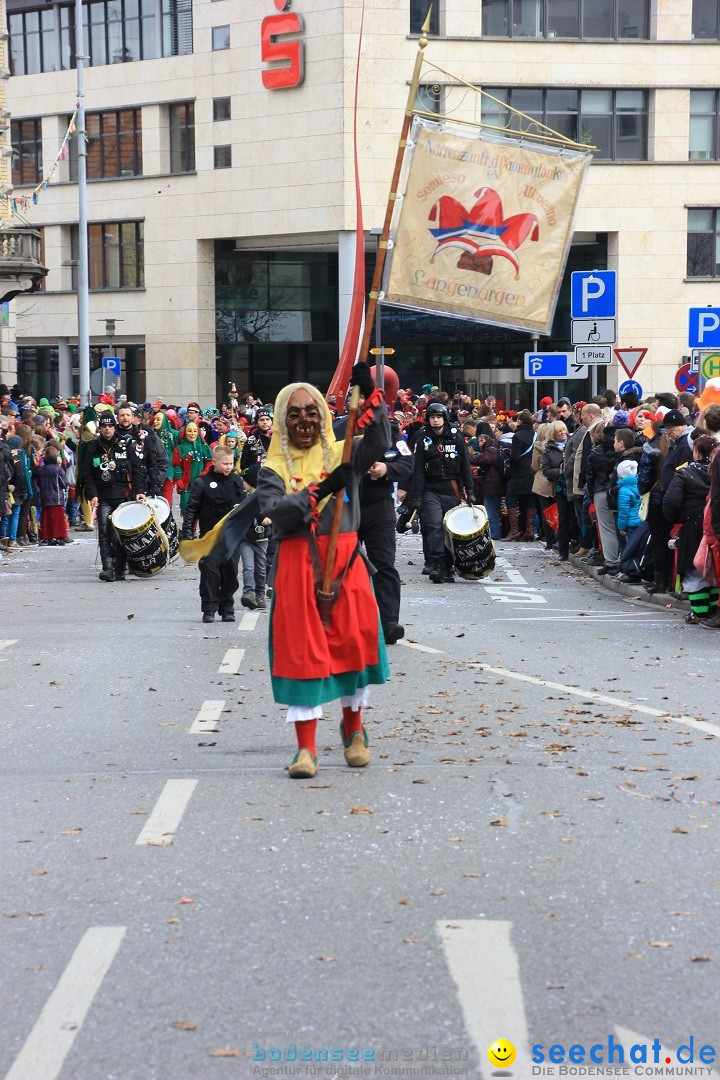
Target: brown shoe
x=303, y=766
x=710, y=624
x=357, y=751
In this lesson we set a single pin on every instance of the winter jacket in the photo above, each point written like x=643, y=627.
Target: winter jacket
x=553, y=462
x=684, y=502
x=399, y=463
x=571, y=451
x=600, y=464
x=541, y=485
x=521, y=474
x=489, y=479
x=212, y=496
x=715, y=496
x=112, y=469
x=52, y=485
x=628, y=503
x=440, y=458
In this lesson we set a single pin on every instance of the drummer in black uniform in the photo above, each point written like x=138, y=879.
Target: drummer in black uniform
x=113, y=474
x=441, y=479
x=377, y=529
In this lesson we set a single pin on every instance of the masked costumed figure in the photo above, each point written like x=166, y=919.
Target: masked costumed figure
x=317, y=658
x=191, y=458
x=168, y=437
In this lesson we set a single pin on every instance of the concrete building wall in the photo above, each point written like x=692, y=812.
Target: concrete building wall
x=292, y=174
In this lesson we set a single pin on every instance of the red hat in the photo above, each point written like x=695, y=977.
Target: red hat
x=544, y=402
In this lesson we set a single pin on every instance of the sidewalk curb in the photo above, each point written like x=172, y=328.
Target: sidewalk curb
x=634, y=592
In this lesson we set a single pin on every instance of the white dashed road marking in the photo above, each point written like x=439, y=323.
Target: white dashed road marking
x=484, y=966
x=419, y=648
x=208, y=716
x=249, y=620
x=49, y=1042
x=163, y=823
x=231, y=661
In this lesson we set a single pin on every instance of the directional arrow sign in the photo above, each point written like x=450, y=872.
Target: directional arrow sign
x=552, y=365
x=630, y=359
x=579, y=371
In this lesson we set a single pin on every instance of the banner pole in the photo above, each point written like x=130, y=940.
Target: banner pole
x=383, y=243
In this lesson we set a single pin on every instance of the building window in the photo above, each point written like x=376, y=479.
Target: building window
x=115, y=255
x=221, y=108
x=418, y=15
x=703, y=242
x=615, y=121
x=220, y=38
x=429, y=98
x=222, y=157
x=114, y=145
x=182, y=137
x=706, y=19
x=26, y=137
x=566, y=18
x=33, y=42
x=116, y=32
x=703, y=125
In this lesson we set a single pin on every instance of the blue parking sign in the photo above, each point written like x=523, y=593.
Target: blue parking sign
x=704, y=328
x=112, y=363
x=593, y=294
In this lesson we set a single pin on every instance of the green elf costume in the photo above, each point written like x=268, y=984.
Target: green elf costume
x=169, y=439
x=191, y=458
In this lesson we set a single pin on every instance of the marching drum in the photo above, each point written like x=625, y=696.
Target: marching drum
x=467, y=536
x=141, y=538
x=166, y=521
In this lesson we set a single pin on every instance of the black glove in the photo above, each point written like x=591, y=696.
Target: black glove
x=338, y=478
x=403, y=518
x=362, y=378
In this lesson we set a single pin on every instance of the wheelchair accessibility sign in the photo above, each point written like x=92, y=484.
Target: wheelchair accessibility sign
x=594, y=331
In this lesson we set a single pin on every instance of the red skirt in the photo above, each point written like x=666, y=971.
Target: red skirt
x=302, y=648
x=53, y=523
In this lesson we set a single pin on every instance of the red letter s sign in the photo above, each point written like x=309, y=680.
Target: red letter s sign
x=291, y=70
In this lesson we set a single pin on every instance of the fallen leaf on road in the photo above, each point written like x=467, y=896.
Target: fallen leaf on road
x=438, y=892
x=315, y=785
x=419, y=781
x=404, y=900
x=472, y=875
x=660, y=944
x=454, y=839
x=411, y=940
x=224, y=1053
x=327, y=959
x=361, y=810
x=500, y=821
x=173, y=921
x=183, y=1025
x=682, y=912
x=680, y=830
x=39, y=873
x=700, y=960
x=70, y=832
x=132, y=616
x=186, y=900
x=35, y=914
x=162, y=841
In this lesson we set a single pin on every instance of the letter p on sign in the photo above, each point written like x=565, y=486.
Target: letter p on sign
x=704, y=328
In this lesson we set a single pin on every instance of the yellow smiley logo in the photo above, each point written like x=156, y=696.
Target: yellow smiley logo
x=501, y=1053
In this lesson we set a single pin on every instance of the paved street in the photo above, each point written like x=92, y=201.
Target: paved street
x=531, y=856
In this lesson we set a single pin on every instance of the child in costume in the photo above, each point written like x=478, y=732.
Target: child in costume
x=313, y=663
x=191, y=458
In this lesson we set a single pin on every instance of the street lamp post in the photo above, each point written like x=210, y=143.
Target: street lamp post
x=83, y=284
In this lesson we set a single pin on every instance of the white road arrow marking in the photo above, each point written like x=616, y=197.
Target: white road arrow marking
x=10, y=641
x=484, y=967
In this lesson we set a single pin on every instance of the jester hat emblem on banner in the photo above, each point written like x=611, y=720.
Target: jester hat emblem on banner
x=481, y=232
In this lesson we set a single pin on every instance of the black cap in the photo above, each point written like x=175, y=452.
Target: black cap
x=107, y=419
x=436, y=408
x=674, y=418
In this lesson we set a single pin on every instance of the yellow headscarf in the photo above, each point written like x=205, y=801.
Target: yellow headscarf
x=298, y=468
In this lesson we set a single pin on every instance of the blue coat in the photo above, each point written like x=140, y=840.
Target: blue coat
x=628, y=503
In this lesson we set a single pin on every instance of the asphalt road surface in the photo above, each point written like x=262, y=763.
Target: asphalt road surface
x=531, y=856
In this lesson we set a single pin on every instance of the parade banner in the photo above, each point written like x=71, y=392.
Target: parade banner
x=484, y=227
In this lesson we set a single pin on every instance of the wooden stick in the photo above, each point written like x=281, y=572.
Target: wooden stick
x=340, y=495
